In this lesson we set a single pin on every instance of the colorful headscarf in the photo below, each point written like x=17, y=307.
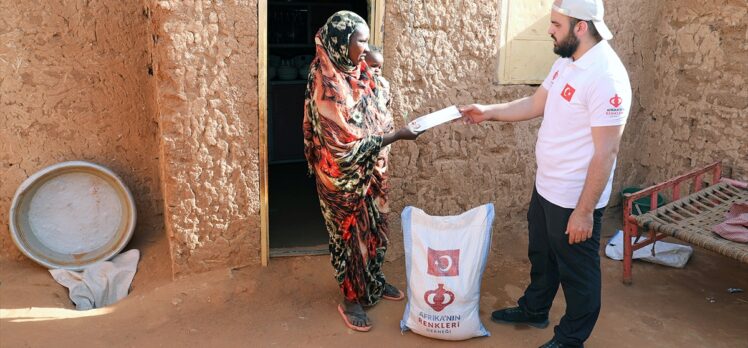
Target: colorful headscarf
x=336, y=37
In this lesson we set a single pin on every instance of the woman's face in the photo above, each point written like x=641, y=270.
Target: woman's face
x=358, y=46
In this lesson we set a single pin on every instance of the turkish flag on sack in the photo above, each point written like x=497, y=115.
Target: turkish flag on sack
x=444, y=263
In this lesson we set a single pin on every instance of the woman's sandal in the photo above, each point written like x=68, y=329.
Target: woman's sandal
x=343, y=315
x=399, y=297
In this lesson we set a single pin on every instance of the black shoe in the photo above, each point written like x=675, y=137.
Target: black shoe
x=516, y=315
x=556, y=344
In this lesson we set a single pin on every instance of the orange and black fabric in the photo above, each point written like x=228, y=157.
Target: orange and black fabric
x=343, y=131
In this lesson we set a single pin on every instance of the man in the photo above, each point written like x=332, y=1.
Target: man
x=584, y=102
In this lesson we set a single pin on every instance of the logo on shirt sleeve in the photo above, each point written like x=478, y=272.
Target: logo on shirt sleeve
x=616, y=102
x=568, y=92
x=555, y=75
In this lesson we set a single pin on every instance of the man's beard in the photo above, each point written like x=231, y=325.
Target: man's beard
x=567, y=47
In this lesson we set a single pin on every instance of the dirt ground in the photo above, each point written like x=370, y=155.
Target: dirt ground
x=292, y=303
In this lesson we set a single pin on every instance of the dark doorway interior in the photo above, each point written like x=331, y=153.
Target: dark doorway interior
x=296, y=224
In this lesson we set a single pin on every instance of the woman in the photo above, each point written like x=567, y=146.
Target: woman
x=346, y=143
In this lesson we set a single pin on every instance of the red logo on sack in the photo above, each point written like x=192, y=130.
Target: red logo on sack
x=444, y=263
x=555, y=75
x=568, y=92
x=439, y=298
x=616, y=101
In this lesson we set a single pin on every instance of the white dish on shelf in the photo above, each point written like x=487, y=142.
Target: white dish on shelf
x=287, y=73
x=304, y=72
x=274, y=60
x=303, y=60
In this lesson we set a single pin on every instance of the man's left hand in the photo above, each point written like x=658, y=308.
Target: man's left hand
x=579, y=227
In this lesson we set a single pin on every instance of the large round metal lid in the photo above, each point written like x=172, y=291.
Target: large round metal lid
x=72, y=214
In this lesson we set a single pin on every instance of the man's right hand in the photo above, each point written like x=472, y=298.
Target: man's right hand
x=473, y=113
x=514, y=111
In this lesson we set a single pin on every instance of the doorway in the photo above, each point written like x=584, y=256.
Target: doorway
x=293, y=223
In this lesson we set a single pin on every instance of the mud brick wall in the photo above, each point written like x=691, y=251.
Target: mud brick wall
x=696, y=108
x=208, y=112
x=75, y=85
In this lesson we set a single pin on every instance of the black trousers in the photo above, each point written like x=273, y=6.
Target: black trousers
x=554, y=261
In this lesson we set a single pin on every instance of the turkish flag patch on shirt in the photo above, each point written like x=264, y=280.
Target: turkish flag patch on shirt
x=568, y=92
x=444, y=263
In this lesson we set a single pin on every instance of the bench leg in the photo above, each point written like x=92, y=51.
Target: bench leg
x=628, y=251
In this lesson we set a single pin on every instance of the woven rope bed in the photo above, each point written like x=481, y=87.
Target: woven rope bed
x=691, y=219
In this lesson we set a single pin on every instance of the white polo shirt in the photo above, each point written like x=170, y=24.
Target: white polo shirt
x=593, y=91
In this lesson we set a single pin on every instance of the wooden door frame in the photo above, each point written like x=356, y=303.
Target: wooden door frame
x=376, y=16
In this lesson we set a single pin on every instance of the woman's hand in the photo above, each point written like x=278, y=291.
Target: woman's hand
x=407, y=134
x=473, y=114
x=404, y=133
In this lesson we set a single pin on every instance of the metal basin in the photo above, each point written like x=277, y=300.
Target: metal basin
x=72, y=214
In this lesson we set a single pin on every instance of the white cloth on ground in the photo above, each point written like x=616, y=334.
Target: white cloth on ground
x=102, y=283
x=668, y=254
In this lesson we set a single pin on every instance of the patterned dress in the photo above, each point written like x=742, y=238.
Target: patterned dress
x=343, y=131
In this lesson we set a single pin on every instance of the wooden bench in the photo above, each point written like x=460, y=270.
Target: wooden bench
x=688, y=218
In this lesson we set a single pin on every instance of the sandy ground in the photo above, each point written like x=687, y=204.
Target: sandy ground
x=292, y=303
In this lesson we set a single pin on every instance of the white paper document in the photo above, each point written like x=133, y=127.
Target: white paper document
x=434, y=119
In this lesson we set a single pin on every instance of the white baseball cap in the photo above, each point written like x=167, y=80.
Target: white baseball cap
x=586, y=10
